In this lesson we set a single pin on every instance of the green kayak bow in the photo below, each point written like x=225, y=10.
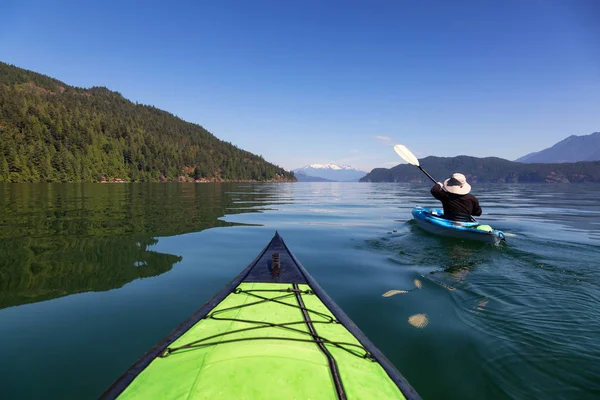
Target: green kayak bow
x=271, y=333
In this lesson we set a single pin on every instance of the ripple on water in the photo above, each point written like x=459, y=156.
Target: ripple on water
x=536, y=325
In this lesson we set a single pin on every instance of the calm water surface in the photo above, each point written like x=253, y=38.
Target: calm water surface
x=92, y=276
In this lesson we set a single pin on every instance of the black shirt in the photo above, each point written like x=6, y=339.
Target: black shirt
x=456, y=206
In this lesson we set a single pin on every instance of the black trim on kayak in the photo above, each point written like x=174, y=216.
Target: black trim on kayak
x=282, y=271
x=405, y=387
x=264, y=273
x=333, y=368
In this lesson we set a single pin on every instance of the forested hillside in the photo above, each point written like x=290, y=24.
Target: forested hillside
x=53, y=132
x=489, y=169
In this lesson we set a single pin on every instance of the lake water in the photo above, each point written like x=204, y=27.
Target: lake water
x=93, y=275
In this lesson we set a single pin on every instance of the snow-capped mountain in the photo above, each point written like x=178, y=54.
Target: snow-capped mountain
x=332, y=172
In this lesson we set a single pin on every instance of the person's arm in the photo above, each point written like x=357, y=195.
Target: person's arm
x=438, y=192
x=476, y=207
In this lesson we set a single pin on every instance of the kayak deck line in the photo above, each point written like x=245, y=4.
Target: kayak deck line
x=333, y=368
x=295, y=291
x=271, y=333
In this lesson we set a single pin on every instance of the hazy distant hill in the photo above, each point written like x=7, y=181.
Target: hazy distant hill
x=50, y=131
x=489, y=169
x=301, y=177
x=572, y=149
x=332, y=172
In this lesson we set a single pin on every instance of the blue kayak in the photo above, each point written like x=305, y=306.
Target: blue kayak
x=432, y=220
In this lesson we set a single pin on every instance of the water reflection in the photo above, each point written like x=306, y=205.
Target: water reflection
x=62, y=239
x=34, y=270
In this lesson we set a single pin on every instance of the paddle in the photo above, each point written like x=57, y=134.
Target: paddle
x=410, y=158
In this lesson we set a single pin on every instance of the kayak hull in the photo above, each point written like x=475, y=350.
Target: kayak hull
x=271, y=333
x=431, y=220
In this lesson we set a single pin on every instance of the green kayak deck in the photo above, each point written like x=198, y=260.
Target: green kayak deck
x=272, y=333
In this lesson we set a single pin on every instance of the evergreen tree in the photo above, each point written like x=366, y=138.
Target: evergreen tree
x=4, y=175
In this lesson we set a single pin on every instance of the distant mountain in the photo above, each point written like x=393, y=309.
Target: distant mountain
x=301, y=177
x=572, y=149
x=490, y=169
x=53, y=132
x=332, y=172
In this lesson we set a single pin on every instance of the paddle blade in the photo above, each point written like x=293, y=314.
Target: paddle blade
x=406, y=155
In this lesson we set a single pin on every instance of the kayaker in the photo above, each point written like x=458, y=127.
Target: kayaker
x=454, y=194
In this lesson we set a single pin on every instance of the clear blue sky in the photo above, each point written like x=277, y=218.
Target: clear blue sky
x=333, y=81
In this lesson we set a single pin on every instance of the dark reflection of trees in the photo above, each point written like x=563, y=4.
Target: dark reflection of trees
x=61, y=239
x=40, y=269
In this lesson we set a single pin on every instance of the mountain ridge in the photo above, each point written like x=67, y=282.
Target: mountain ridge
x=331, y=166
x=573, y=148
x=489, y=169
x=332, y=172
x=301, y=177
